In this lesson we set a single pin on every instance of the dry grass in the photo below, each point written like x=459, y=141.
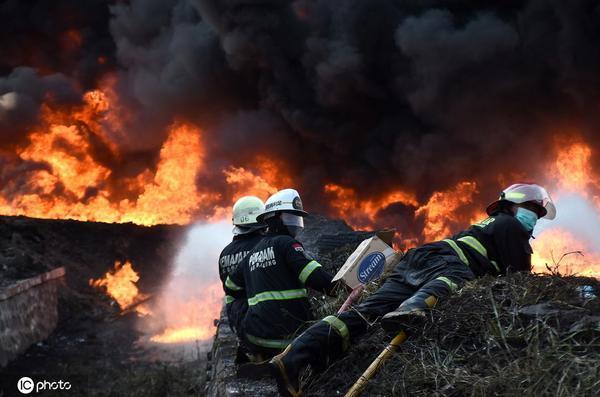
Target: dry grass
x=480, y=342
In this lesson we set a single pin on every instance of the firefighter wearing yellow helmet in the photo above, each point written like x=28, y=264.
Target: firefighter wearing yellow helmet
x=247, y=232
x=496, y=245
x=275, y=276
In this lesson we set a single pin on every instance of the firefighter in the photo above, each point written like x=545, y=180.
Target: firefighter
x=275, y=276
x=247, y=232
x=497, y=245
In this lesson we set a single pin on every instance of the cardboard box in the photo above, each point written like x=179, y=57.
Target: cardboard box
x=369, y=260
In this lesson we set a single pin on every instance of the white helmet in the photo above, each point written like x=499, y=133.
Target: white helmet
x=522, y=193
x=286, y=200
x=245, y=211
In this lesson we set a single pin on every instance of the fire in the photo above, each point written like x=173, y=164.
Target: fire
x=70, y=181
x=188, y=318
x=560, y=250
x=363, y=213
x=172, y=194
x=577, y=185
x=573, y=168
x=440, y=211
x=182, y=335
x=120, y=284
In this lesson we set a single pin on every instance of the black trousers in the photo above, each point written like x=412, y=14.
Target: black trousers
x=431, y=270
x=236, y=312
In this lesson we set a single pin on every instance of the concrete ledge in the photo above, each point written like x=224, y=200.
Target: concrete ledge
x=28, y=312
x=23, y=285
x=222, y=379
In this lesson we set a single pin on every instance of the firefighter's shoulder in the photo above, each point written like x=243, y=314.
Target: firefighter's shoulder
x=501, y=222
x=285, y=241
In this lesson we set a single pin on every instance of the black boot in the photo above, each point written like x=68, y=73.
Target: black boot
x=288, y=382
x=411, y=313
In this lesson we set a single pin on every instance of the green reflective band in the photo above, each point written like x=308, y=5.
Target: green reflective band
x=277, y=296
x=231, y=285
x=229, y=299
x=475, y=244
x=513, y=195
x=271, y=343
x=307, y=271
x=458, y=251
x=341, y=329
x=453, y=286
x=496, y=266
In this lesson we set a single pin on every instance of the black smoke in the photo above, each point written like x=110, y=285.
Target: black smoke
x=374, y=95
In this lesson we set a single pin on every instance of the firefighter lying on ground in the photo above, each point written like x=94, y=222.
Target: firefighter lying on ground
x=497, y=245
x=274, y=277
x=247, y=232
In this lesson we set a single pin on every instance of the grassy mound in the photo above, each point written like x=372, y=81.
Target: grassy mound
x=522, y=334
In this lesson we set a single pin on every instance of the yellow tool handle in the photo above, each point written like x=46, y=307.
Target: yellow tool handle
x=360, y=384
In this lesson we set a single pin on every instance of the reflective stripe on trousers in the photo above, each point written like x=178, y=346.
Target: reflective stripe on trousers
x=340, y=328
x=270, y=343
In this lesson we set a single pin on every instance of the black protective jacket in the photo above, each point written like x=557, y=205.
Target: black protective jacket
x=494, y=246
x=233, y=254
x=274, y=277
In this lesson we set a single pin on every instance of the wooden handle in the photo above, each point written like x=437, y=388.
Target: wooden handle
x=360, y=384
x=351, y=298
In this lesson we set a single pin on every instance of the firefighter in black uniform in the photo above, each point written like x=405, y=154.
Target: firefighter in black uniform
x=497, y=245
x=247, y=232
x=275, y=276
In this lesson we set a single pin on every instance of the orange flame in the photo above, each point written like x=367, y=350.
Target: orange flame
x=363, y=214
x=120, y=284
x=182, y=335
x=440, y=211
x=572, y=172
x=190, y=319
x=560, y=250
x=73, y=184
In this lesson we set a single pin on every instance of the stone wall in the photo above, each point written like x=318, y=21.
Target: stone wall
x=28, y=312
x=222, y=380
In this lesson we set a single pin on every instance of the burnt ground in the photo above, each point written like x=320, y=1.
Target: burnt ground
x=518, y=335
x=95, y=347
x=524, y=334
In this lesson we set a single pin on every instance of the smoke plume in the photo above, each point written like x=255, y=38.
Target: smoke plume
x=371, y=95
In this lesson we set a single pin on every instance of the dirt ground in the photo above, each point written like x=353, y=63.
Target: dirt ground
x=95, y=348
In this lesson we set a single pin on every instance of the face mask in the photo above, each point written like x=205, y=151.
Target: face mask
x=527, y=218
x=293, y=223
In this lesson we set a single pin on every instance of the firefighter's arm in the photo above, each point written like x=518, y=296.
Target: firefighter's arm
x=309, y=272
x=513, y=247
x=234, y=283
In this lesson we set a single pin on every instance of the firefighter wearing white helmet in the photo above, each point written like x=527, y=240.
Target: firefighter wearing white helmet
x=529, y=202
x=247, y=233
x=275, y=276
x=496, y=245
x=245, y=211
x=284, y=212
